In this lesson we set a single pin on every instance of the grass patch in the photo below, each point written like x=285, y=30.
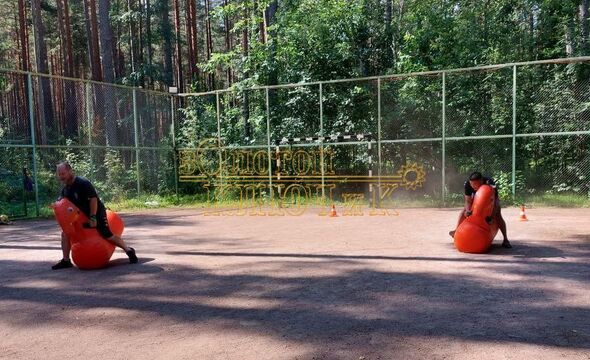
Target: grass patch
x=557, y=200
x=200, y=202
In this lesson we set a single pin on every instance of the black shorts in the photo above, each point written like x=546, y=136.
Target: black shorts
x=102, y=225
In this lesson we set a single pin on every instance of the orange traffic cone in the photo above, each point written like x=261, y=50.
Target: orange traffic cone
x=522, y=214
x=333, y=212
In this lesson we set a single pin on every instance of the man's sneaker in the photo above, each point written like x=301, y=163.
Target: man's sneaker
x=62, y=264
x=506, y=244
x=132, y=256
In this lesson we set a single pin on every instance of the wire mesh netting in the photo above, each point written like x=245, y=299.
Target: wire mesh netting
x=566, y=171
x=294, y=112
x=14, y=118
x=479, y=103
x=411, y=108
x=553, y=98
x=120, y=138
x=16, y=181
x=528, y=126
x=447, y=123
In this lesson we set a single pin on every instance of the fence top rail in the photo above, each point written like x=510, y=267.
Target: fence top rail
x=87, y=81
x=395, y=76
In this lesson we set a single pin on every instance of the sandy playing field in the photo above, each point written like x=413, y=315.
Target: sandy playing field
x=307, y=287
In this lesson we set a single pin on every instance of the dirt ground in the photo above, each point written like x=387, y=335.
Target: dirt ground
x=307, y=287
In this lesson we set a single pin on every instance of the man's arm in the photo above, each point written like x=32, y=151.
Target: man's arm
x=89, y=192
x=93, y=210
x=467, y=205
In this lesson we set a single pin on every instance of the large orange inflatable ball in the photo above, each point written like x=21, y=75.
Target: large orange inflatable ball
x=116, y=224
x=474, y=234
x=89, y=249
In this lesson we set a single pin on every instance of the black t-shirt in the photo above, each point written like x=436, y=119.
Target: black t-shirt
x=469, y=191
x=80, y=193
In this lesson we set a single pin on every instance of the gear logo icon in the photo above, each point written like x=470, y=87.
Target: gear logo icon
x=412, y=176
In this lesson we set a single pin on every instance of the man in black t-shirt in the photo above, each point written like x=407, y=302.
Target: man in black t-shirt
x=81, y=192
x=475, y=181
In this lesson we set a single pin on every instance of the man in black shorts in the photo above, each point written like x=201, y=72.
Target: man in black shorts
x=476, y=180
x=81, y=192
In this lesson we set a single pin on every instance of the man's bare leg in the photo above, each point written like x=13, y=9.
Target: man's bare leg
x=502, y=226
x=128, y=250
x=65, y=246
x=119, y=242
x=65, y=262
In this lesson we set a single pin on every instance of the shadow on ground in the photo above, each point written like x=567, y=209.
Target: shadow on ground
x=336, y=304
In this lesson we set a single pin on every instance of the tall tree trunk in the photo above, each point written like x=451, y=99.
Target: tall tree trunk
x=246, y=100
x=56, y=68
x=106, y=50
x=132, y=44
x=228, y=44
x=20, y=85
x=533, y=39
x=397, y=36
x=209, y=43
x=261, y=24
x=584, y=24
x=167, y=33
x=189, y=40
x=118, y=54
x=195, y=44
x=22, y=38
x=233, y=39
x=388, y=33
x=70, y=103
x=94, y=60
x=141, y=44
x=135, y=42
x=179, y=77
x=46, y=115
x=93, y=46
x=148, y=39
x=269, y=20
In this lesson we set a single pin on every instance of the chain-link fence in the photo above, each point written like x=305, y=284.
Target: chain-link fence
x=119, y=137
x=525, y=124
x=419, y=136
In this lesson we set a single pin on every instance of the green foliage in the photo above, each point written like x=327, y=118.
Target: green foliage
x=504, y=182
x=311, y=40
x=118, y=178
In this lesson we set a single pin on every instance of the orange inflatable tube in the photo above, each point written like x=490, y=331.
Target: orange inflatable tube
x=89, y=249
x=474, y=234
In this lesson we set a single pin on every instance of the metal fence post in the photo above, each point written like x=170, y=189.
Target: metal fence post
x=444, y=120
x=268, y=144
x=218, y=106
x=136, y=130
x=322, y=140
x=33, y=142
x=175, y=156
x=379, y=140
x=513, y=132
